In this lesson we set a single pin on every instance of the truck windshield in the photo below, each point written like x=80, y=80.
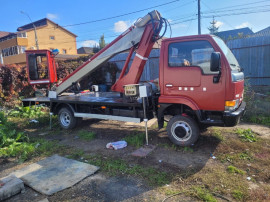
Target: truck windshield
x=228, y=53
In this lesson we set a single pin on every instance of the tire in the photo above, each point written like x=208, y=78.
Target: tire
x=183, y=130
x=66, y=118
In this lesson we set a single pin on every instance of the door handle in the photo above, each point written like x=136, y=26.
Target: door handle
x=169, y=85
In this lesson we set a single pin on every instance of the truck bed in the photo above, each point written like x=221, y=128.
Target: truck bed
x=97, y=98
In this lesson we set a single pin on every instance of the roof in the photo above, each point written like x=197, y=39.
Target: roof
x=41, y=23
x=263, y=32
x=3, y=34
x=234, y=33
x=84, y=50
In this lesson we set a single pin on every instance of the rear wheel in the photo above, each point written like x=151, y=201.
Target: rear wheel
x=183, y=130
x=66, y=118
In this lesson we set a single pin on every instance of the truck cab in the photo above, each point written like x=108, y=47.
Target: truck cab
x=200, y=78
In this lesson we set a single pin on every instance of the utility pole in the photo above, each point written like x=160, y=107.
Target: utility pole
x=199, y=17
x=35, y=30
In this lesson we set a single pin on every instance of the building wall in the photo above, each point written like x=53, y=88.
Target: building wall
x=63, y=39
x=17, y=59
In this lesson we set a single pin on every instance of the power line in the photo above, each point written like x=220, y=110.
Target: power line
x=117, y=16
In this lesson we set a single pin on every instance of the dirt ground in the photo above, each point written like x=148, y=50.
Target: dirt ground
x=104, y=187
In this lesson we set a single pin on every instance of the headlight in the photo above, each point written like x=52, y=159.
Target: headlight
x=231, y=105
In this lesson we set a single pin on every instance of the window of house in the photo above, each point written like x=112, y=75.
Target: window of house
x=22, y=49
x=52, y=38
x=64, y=51
x=191, y=53
x=22, y=35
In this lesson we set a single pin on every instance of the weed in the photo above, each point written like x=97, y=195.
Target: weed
x=13, y=143
x=76, y=154
x=188, y=149
x=217, y=134
x=116, y=166
x=232, y=169
x=246, y=135
x=136, y=140
x=238, y=195
x=27, y=112
x=87, y=135
x=260, y=119
x=203, y=194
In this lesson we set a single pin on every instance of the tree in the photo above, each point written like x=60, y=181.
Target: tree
x=102, y=43
x=213, y=29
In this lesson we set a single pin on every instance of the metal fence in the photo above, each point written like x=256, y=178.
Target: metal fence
x=253, y=54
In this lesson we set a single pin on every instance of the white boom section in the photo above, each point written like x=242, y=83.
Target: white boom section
x=125, y=41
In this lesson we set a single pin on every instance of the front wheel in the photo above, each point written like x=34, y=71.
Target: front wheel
x=66, y=118
x=183, y=130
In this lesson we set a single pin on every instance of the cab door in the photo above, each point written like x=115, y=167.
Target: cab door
x=186, y=74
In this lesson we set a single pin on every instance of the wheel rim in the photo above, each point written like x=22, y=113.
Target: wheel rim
x=181, y=131
x=65, y=118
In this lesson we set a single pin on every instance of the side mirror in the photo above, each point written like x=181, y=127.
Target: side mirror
x=215, y=62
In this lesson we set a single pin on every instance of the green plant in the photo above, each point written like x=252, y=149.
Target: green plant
x=27, y=112
x=203, y=194
x=246, y=135
x=13, y=143
x=217, y=134
x=87, y=135
x=238, y=195
x=232, y=169
x=188, y=149
x=136, y=140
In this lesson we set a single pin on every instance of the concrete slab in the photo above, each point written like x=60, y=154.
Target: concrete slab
x=10, y=186
x=144, y=151
x=54, y=174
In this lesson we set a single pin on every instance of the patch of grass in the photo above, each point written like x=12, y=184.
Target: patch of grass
x=238, y=195
x=203, y=194
x=246, y=135
x=217, y=133
x=232, y=169
x=259, y=119
x=187, y=149
x=136, y=140
x=87, y=135
x=169, y=190
x=153, y=176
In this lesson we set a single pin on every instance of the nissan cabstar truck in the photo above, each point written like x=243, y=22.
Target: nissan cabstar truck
x=200, y=83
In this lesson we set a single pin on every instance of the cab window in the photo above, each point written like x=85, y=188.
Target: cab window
x=191, y=53
x=38, y=66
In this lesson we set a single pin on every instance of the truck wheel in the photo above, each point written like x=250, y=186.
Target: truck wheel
x=183, y=130
x=66, y=118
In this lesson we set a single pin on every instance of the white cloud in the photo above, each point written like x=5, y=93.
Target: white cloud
x=121, y=26
x=219, y=23
x=52, y=16
x=244, y=24
x=89, y=43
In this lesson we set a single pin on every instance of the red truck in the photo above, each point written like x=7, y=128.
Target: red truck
x=200, y=83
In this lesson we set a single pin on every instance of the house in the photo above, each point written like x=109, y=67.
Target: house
x=235, y=33
x=85, y=50
x=49, y=34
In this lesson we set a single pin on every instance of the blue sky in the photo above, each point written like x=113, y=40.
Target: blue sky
x=182, y=14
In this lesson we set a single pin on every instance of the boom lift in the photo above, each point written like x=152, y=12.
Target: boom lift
x=200, y=81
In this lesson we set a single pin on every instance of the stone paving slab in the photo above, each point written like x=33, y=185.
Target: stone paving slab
x=10, y=186
x=54, y=174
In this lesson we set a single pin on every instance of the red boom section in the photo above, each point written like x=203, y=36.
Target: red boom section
x=142, y=53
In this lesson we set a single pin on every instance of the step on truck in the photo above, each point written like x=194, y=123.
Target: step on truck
x=200, y=83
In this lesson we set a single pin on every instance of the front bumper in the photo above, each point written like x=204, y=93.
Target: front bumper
x=232, y=118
